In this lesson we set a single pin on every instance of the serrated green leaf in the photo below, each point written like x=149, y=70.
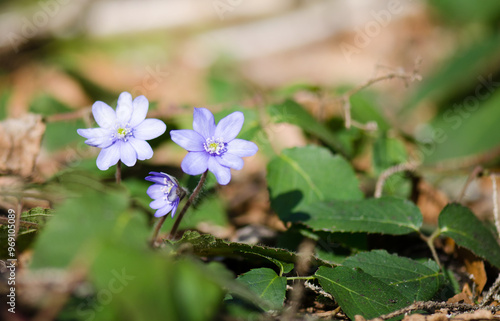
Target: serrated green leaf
x=459, y=223
x=283, y=266
x=360, y=293
x=293, y=113
x=309, y=174
x=415, y=280
x=270, y=287
x=209, y=245
x=386, y=215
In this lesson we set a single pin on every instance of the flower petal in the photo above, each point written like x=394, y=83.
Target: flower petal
x=158, y=203
x=229, y=127
x=140, y=110
x=124, y=108
x=104, y=115
x=230, y=160
x=155, y=179
x=163, y=211
x=174, y=207
x=155, y=191
x=97, y=137
x=108, y=157
x=128, y=154
x=149, y=129
x=195, y=163
x=242, y=148
x=203, y=122
x=222, y=173
x=142, y=148
x=188, y=139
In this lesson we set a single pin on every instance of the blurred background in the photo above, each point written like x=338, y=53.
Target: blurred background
x=381, y=82
x=58, y=56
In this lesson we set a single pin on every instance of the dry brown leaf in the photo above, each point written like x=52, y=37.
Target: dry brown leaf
x=476, y=315
x=20, y=140
x=420, y=317
x=475, y=267
x=462, y=297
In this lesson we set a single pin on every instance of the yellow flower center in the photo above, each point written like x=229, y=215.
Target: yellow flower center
x=215, y=147
x=122, y=132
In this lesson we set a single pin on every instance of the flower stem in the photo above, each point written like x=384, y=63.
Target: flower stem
x=188, y=203
x=118, y=174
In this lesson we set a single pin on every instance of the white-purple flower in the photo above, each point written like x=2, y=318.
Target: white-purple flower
x=122, y=134
x=165, y=193
x=212, y=147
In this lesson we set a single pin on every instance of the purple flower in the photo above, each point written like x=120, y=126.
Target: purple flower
x=213, y=147
x=165, y=193
x=122, y=134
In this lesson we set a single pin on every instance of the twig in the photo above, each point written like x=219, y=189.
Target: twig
x=18, y=215
x=4, y=220
x=432, y=306
x=494, y=289
x=495, y=202
x=398, y=74
x=318, y=290
x=475, y=173
x=305, y=253
x=388, y=172
x=68, y=115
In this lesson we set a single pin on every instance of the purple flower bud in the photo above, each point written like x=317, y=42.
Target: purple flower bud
x=165, y=193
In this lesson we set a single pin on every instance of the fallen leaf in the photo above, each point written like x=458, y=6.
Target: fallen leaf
x=20, y=140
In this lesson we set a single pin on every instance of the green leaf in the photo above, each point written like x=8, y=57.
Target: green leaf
x=309, y=174
x=209, y=245
x=460, y=73
x=416, y=281
x=461, y=131
x=459, y=223
x=268, y=285
x=387, y=152
x=359, y=293
x=364, y=110
x=293, y=113
x=82, y=225
x=386, y=215
x=121, y=275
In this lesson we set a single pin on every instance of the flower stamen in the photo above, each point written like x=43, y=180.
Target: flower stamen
x=215, y=147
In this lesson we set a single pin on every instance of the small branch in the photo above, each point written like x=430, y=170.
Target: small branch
x=495, y=202
x=68, y=115
x=18, y=215
x=305, y=254
x=4, y=220
x=186, y=206
x=432, y=306
x=401, y=74
x=388, y=172
x=318, y=290
x=489, y=297
x=475, y=173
